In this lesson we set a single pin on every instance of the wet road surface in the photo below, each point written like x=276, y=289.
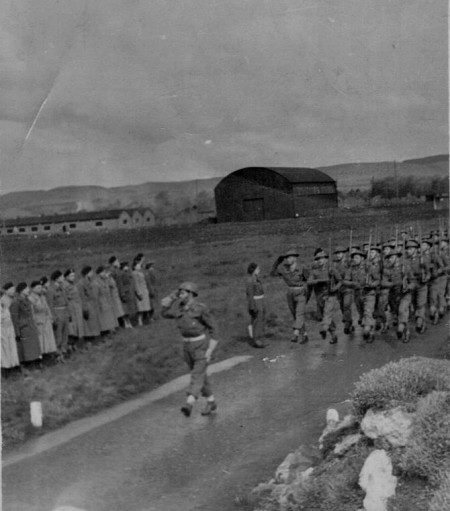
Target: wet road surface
x=154, y=459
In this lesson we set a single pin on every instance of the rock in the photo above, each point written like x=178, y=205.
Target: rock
x=293, y=464
x=332, y=417
x=377, y=481
x=393, y=425
x=333, y=431
x=345, y=444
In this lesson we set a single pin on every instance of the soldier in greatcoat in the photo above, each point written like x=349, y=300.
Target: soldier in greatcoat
x=142, y=294
x=198, y=329
x=10, y=356
x=59, y=305
x=107, y=318
x=91, y=322
x=152, y=286
x=76, y=323
x=27, y=335
x=43, y=319
x=127, y=293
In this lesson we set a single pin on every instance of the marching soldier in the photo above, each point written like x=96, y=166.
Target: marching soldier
x=419, y=277
x=344, y=294
x=256, y=305
x=400, y=283
x=295, y=277
x=445, y=283
x=438, y=280
x=198, y=330
x=326, y=283
x=386, y=271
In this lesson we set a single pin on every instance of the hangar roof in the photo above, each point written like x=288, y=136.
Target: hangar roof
x=296, y=174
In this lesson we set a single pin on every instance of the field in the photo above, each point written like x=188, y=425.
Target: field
x=214, y=256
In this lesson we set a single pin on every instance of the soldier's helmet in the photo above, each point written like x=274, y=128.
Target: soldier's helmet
x=291, y=252
x=189, y=286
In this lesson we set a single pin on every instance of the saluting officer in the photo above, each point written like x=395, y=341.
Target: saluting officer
x=198, y=330
x=295, y=277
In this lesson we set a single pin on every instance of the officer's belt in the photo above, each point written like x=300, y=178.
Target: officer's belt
x=259, y=297
x=198, y=338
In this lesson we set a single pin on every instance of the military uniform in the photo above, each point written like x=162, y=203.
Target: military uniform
x=196, y=326
x=59, y=306
x=436, y=287
x=295, y=278
x=256, y=307
x=417, y=268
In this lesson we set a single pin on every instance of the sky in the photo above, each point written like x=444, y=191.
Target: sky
x=117, y=92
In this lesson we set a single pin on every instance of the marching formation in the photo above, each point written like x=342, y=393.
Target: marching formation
x=381, y=285
x=48, y=319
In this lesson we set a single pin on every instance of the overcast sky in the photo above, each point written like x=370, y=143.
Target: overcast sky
x=117, y=92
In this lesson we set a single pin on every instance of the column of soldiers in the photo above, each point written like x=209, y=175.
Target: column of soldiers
x=49, y=319
x=387, y=284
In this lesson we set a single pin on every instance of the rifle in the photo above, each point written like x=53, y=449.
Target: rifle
x=403, y=267
x=350, y=243
x=368, y=260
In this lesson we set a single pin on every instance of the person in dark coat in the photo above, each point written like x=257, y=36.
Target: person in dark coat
x=59, y=305
x=76, y=324
x=152, y=286
x=91, y=323
x=114, y=275
x=127, y=293
x=107, y=317
x=27, y=335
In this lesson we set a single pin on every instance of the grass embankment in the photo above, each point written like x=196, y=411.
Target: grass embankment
x=215, y=256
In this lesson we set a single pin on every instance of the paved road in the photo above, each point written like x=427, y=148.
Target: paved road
x=154, y=459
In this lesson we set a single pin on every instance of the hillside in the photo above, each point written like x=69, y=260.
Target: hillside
x=69, y=199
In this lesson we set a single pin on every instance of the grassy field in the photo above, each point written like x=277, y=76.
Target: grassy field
x=215, y=256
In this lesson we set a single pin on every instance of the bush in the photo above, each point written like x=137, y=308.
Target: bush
x=400, y=383
x=429, y=448
x=441, y=497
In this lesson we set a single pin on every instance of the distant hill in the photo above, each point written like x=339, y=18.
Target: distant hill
x=183, y=194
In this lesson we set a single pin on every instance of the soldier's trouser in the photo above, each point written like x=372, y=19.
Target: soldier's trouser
x=347, y=302
x=395, y=295
x=369, y=299
x=436, y=296
x=420, y=298
x=383, y=301
x=61, y=322
x=194, y=354
x=297, y=303
x=359, y=303
x=330, y=308
x=403, y=308
x=258, y=318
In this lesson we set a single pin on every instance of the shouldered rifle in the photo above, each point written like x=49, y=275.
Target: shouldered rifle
x=368, y=263
x=403, y=268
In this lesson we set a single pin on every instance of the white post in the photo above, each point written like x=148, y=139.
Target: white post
x=36, y=413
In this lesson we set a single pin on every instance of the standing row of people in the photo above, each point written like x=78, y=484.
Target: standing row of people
x=49, y=318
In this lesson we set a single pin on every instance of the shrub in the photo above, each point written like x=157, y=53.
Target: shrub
x=400, y=383
x=429, y=447
x=441, y=497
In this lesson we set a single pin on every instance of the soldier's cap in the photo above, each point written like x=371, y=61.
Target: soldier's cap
x=375, y=247
x=189, y=286
x=444, y=239
x=355, y=247
x=55, y=275
x=358, y=252
x=397, y=253
x=412, y=244
x=35, y=283
x=429, y=241
x=291, y=252
x=21, y=286
x=320, y=255
x=340, y=248
x=390, y=243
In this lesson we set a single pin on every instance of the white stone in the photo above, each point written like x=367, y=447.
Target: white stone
x=347, y=422
x=346, y=443
x=377, y=481
x=393, y=425
x=36, y=413
x=332, y=417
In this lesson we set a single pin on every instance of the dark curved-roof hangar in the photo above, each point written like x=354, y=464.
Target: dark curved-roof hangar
x=291, y=174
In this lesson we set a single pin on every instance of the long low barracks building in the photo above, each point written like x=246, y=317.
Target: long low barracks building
x=75, y=222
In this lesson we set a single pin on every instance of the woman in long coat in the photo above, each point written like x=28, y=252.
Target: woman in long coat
x=10, y=356
x=143, y=297
x=117, y=304
x=91, y=322
x=42, y=318
x=76, y=324
x=107, y=318
x=27, y=336
x=127, y=293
